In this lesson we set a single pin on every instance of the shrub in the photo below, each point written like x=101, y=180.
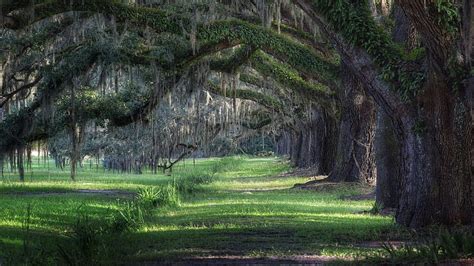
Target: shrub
x=130, y=218
x=446, y=245
x=455, y=245
x=148, y=196
x=152, y=197
x=86, y=237
x=168, y=196
x=189, y=182
x=227, y=164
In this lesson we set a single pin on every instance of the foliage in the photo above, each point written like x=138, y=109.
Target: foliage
x=434, y=249
x=189, y=182
x=286, y=76
x=448, y=16
x=376, y=208
x=296, y=55
x=86, y=237
x=129, y=218
x=249, y=209
x=355, y=23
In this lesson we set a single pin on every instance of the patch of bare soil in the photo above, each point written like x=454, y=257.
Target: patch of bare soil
x=272, y=260
x=322, y=185
x=380, y=244
x=460, y=262
x=111, y=193
x=368, y=196
x=307, y=172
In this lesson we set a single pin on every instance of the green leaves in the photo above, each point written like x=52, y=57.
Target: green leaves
x=285, y=49
x=355, y=23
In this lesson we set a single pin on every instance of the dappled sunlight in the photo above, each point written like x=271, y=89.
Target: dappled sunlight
x=247, y=212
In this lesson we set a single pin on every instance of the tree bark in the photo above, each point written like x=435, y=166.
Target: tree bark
x=388, y=157
x=387, y=145
x=355, y=159
x=436, y=160
x=434, y=128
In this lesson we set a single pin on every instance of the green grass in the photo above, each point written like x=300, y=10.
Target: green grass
x=247, y=210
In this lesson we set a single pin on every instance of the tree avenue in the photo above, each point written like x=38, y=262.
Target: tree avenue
x=375, y=92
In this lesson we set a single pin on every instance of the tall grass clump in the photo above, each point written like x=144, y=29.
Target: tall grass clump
x=444, y=246
x=87, y=243
x=159, y=196
x=130, y=218
x=190, y=182
x=227, y=164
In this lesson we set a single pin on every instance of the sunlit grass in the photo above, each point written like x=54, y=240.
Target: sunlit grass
x=249, y=210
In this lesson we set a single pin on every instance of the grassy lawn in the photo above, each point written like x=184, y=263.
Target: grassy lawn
x=249, y=210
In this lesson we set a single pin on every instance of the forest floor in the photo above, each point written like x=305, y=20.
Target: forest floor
x=249, y=214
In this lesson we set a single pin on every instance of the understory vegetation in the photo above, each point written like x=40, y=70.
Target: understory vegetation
x=236, y=206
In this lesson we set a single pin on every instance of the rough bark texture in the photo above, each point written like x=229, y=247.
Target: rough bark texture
x=355, y=159
x=437, y=138
x=434, y=127
x=388, y=157
x=436, y=165
x=387, y=145
x=468, y=30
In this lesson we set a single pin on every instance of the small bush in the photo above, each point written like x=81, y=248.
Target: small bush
x=446, y=245
x=148, y=196
x=152, y=197
x=131, y=218
x=227, y=164
x=376, y=208
x=168, y=196
x=455, y=245
x=86, y=237
x=189, y=182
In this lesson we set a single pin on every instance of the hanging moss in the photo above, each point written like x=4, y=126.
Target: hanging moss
x=246, y=94
x=286, y=76
x=151, y=17
x=231, y=63
x=295, y=54
x=217, y=33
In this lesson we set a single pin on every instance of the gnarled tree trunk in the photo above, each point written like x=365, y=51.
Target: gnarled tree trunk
x=355, y=159
x=436, y=162
x=388, y=161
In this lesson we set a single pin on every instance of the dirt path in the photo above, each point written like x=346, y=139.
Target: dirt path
x=92, y=192
x=244, y=260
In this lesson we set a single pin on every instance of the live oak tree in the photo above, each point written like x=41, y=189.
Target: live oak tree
x=426, y=97
x=339, y=60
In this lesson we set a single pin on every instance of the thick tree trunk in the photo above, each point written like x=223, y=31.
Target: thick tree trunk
x=388, y=161
x=436, y=145
x=387, y=145
x=355, y=159
x=434, y=128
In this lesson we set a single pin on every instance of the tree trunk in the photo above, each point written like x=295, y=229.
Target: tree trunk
x=434, y=128
x=387, y=145
x=20, y=164
x=312, y=144
x=436, y=171
x=388, y=161
x=355, y=159
x=74, y=151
